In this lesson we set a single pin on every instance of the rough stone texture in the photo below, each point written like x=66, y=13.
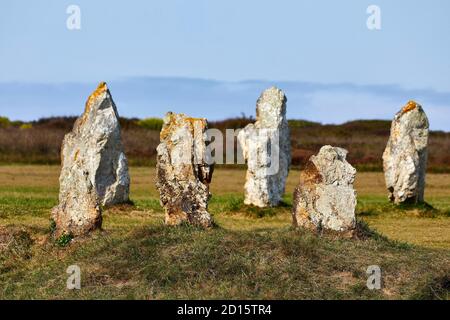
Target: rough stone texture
x=264, y=188
x=94, y=167
x=325, y=198
x=183, y=170
x=405, y=157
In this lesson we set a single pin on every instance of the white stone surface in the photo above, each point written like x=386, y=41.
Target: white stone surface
x=183, y=172
x=325, y=197
x=94, y=167
x=405, y=157
x=266, y=147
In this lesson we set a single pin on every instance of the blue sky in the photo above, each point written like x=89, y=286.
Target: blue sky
x=212, y=58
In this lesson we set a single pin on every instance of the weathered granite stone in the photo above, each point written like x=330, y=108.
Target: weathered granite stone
x=325, y=198
x=405, y=157
x=266, y=147
x=184, y=170
x=94, y=167
x=79, y=211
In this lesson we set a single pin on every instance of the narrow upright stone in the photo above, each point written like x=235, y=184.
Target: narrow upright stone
x=94, y=167
x=183, y=170
x=266, y=147
x=405, y=157
x=325, y=198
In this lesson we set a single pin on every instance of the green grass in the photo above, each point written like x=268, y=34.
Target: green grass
x=251, y=254
x=156, y=262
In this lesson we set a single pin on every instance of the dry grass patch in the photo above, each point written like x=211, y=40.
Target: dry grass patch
x=253, y=253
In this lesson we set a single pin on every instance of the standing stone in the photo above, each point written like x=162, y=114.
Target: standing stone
x=267, y=138
x=405, y=157
x=184, y=171
x=94, y=167
x=325, y=198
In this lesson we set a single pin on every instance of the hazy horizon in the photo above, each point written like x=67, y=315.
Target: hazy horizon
x=196, y=56
x=143, y=97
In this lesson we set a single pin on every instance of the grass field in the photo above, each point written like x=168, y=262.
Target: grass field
x=253, y=253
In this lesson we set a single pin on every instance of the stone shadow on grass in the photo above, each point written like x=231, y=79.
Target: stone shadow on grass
x=237, y=205
x=423, y=210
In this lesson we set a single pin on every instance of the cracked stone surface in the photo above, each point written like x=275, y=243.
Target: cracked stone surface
x=405, y=157
x=184, y=171
x=267, y=137
x=325, y=197
x=94, y=167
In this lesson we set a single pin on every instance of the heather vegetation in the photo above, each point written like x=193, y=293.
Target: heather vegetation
x=39, y=142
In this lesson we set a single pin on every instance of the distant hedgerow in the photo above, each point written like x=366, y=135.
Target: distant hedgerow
x=151, y=123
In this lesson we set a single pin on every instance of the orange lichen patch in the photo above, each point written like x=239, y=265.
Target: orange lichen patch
x=175, y=216
x=310, y=175
x=193, y=120
x=395, y=132
x=167, y=127
x=101, y=88
x=411, y=105
x=301, y=212
x=75, y=157
x=173, y=122
x=193, y=123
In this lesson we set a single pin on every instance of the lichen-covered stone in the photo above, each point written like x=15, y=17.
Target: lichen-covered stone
x=266, y=147
x=79, y=211
x=325, y=198
x=405, y=156
x=184, y=171
x=94, y=167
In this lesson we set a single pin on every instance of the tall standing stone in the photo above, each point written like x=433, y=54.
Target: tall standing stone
x=325, y=198
x=405, y=157
x=94, y=167
x=184, y=171
x=266, y=147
